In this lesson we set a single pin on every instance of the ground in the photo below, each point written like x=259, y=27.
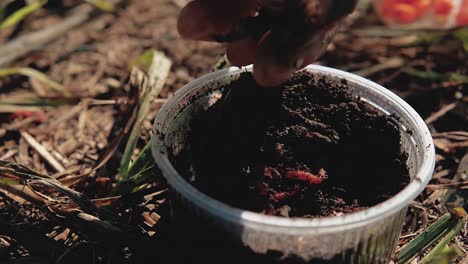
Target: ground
x=65, y=135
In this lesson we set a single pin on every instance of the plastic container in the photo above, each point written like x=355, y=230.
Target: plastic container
x=432, y=14
x=368, y=236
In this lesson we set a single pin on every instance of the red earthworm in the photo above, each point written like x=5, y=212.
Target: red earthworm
x=283, y=195
x=312, y=179
x=280, y=196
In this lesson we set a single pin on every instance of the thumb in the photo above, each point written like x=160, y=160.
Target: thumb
x=276, y=59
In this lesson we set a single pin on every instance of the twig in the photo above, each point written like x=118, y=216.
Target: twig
x=97, y=202
x=444, y=110
x=10, y=153
x=93, y=101
x=69, y=181
x=451, y=133
x=455, y=135
x=463, y=144
x=42, y=151
x=69, y=115
x=441, y=174
x=454, y=185
x=390, y=63
x=21, y=123
x=25, y=193
x=70, y=170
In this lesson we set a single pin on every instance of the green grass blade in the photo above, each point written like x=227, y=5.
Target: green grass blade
x=142, y=161
x=459, y=216
x=103, y=5
x=19, y=15
x=142, y=171
x=428, y=236
x=35, y=74
x=133, y=138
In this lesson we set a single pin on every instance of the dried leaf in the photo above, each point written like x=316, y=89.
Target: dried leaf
x=158, y=73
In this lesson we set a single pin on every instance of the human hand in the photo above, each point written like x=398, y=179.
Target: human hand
x=277, y=36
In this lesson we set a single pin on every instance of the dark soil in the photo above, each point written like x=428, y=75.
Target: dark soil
x=306, y=149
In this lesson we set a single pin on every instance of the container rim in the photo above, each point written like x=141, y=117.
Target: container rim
x=236, y=215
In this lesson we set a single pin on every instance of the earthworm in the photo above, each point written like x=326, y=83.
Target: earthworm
x=283, y=195
x=312, y=179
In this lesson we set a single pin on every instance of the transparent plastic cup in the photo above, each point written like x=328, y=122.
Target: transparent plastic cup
x=368, y=236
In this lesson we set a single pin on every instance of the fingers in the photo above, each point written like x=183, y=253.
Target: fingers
x=298, y=31
x=277, y=56
x=242, y=52
x=292, y=46
x=205, y=19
